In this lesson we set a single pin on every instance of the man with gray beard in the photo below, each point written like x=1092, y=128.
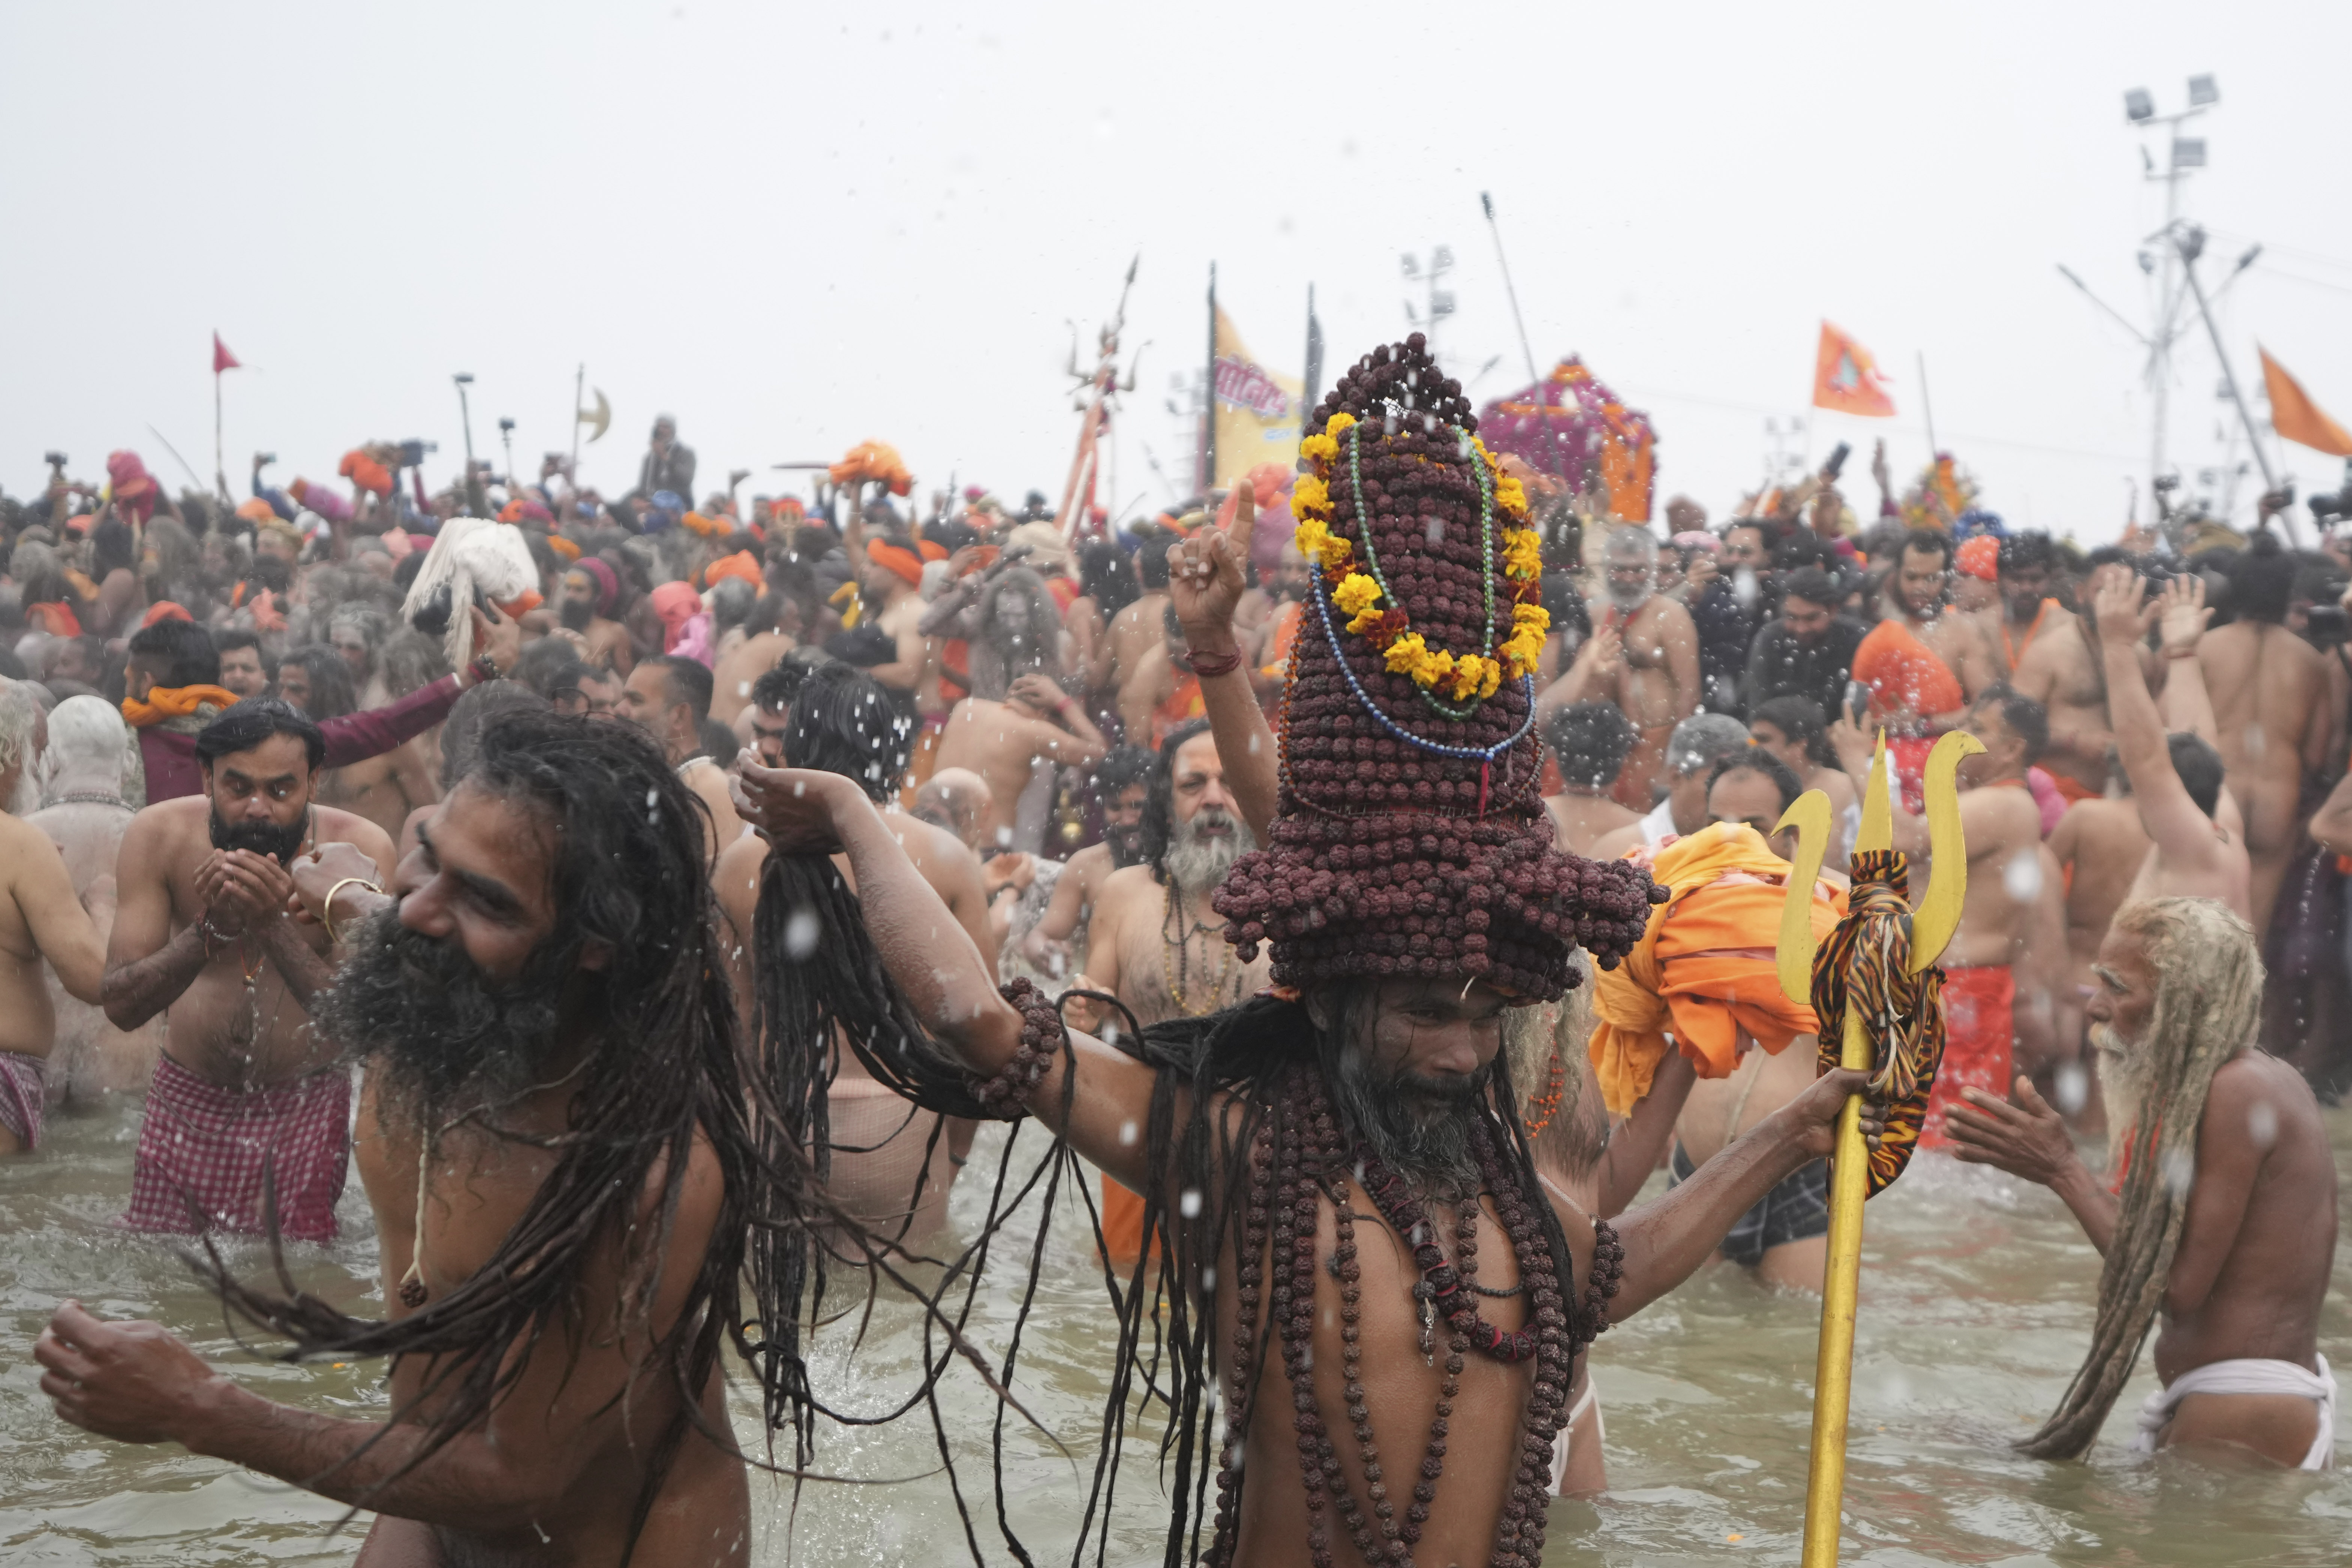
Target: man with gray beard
x=2223, y=1214
x=1154, y=943
x=1654, y=677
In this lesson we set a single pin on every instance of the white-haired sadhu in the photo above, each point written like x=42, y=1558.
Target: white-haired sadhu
x=1359, y=1255
x=2222, y=1219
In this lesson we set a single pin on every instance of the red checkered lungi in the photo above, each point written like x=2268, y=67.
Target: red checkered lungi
x=1979, y=1035
x=206, y=1142
x=24, y=1095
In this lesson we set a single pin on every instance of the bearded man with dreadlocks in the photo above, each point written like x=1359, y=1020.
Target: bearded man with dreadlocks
x=557, y=1140
x=2222, y=1215
x=1359, y=1258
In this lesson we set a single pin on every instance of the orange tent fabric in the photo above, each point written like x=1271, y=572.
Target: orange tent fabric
x=2295, y=417
x=1703, y=970
x=1903, y=672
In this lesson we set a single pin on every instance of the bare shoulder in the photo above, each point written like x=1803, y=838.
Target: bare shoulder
x=738, y=871
x=333, y=827
x=1999, y=812
x=1128, y=885
x=2252, y=1081
x=165, y=829
x=1612, y=845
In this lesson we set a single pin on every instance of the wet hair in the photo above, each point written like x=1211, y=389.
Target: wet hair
x=476, y=709
x=2027, y=719
x=254, y=721
x=110, y=548
x=843, y=723
x=182, y=653
x=1798, y=548
x=2200, y=767
x=1929, y=539
x=1799, y=719
x=1757, y=760
x=1160, y=803
x=1811, y=585
x=992, y=671
x=1591, y=741
x=1699, y=739
x=330, y=679
x=780, y=684
x=235, y=637
x=271, y=573
x=2262, y=581
x=411, y=659
x=732, y=602
x=1120, y=767
x=1152, y=557
x=1104, y=576
x=690, y=681
x=2026, y=551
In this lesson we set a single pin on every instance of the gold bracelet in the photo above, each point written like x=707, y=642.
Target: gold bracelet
x=326, y=904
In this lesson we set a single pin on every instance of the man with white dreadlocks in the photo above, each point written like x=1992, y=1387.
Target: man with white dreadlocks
x=1321, y=1162
x=2224, y=1214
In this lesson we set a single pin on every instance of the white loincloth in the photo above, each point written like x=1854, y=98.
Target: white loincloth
x=1591, y=1401
x=2248, y=1377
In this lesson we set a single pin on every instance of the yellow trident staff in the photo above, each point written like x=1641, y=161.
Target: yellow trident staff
x=1879, y=962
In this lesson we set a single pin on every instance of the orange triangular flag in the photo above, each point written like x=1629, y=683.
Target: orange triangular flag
x=1845, y=378
x=2295, y=417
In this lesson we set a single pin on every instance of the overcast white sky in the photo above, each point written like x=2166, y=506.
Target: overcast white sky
x=796, y=227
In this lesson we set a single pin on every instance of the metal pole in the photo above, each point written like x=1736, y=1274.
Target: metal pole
x=2229, y=376
x=1208, y=403
x=579, y=385
x=1928, y=409
x=220, y=462
x=1543, y=409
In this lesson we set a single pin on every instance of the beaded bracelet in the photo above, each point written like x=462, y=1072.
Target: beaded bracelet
x=1042, y=1034
x=1209, y=666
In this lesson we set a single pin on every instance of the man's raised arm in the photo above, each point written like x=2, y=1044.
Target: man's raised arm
x=934, y=964
x=2182, y=830
x=1204, y=582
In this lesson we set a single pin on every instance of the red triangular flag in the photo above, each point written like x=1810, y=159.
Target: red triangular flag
x=222, y=359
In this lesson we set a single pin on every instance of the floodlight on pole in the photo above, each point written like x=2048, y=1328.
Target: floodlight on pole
x=2139, y=105
x=2202, y=93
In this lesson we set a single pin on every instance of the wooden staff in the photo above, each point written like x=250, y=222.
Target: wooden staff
x=1931, y=928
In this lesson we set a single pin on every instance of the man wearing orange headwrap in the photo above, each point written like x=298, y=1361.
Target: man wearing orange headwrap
x=1922, y=665
x=888, y=587
x=1703, y=980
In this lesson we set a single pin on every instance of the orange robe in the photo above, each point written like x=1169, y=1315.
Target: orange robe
x=1703, y=971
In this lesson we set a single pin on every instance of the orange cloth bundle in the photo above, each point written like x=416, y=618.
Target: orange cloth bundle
x=563, y=547
x=1903, y=672
x=708, y=527
x=873, y=462
x=174, y=702
x=740, y=565
x=365, y=472
x=256, y=511
x=1704, y=969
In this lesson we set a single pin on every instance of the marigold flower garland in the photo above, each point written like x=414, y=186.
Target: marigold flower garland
x=1466, y=678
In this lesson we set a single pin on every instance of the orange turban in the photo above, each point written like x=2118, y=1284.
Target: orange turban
x=740, y=565
x=163, y=610
x=897, y=559
x=365, y=472
x=873, y=461
x=563, y=547
x=708, y=527
x=257, y=510
x=1980, y=557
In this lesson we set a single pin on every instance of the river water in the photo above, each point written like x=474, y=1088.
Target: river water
x=1977, y=1296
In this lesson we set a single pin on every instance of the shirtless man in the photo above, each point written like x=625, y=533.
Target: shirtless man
x=588, y=1440
x=41, y=922
x=1919, y=597
x=1018, y=720
x=2268, y=688
x=2006, y=910
x=669, y=697
x=1657, y=668
x=201, y=930
x=833, y=727
x=889, y=580
x=1122, y=781
x=769, y=635
x=384, y=788
x=1699, y=742
x=1590, y=741
x=591, y=592
x=2055, y=660
x=2240, y=1288
x=84, y=814
x=1138, y=645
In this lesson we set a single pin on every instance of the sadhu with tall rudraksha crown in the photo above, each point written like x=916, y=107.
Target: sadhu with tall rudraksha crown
x=1350, y=1245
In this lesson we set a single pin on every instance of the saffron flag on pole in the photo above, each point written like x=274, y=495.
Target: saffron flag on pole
x=1846, y=379
x=222, y=359
x=1257, y=411
x=2295, y=417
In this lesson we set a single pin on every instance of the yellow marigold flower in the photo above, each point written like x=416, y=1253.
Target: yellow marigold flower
x=1405, y=654
x=1336, y=554
x=1310, y=498
x=1535, y=615
x=1512, y=497
x=1312, y=537
x=1491, y=679
x=1355, y=593
x=1432, y=667
x=1320, y=449
x=1467, y=670
x=1523, y=649
x=1337, y=424
x=1522, y=554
